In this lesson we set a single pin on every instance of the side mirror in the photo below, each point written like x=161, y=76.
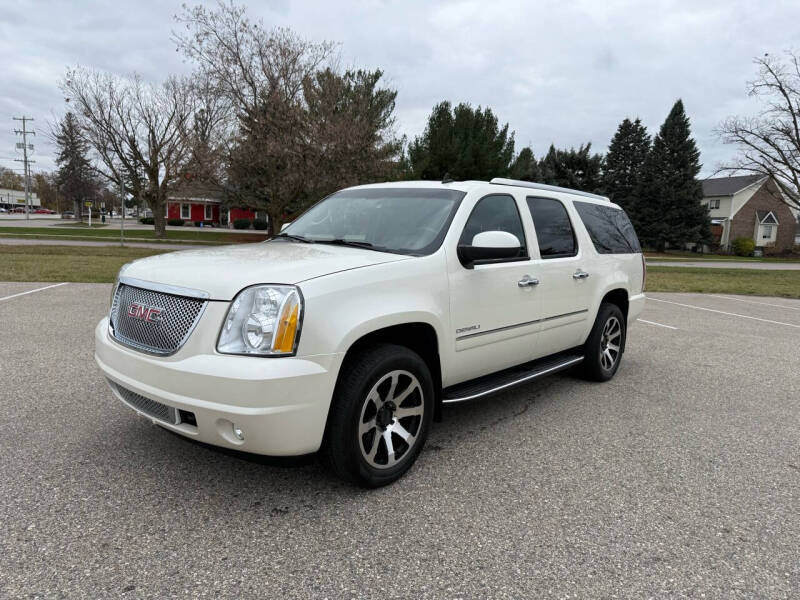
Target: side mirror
x=285, y=225
x=489, y=246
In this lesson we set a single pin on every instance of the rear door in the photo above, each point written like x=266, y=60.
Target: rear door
x=564, y=269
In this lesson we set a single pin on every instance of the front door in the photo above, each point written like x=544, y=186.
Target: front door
x=492, y=306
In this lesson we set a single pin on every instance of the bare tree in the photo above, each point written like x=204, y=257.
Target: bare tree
x=303, y=126
x=770, y=141
x=139, y=133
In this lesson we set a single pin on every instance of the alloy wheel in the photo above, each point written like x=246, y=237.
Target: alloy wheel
x=610, y=343
x=391, y=419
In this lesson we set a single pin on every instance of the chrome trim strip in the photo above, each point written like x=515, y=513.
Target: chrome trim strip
x=174, y=290
x=525, y=324
x=558, y=367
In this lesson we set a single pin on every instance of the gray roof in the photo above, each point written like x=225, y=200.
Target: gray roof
x=728, y=186
x=762, y=214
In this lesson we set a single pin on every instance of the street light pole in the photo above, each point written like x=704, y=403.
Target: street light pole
x=122, y=207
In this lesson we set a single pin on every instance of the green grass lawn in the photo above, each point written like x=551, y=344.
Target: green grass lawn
x=724, y=281
x=99, y=264
x=90, y=264
x=193, y=235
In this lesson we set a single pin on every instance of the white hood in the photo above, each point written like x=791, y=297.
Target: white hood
x=223, y=271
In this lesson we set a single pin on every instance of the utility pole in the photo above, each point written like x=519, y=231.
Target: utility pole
x=24, y=133
x=122, y=207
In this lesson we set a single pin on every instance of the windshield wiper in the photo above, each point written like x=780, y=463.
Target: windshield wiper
x=296, y=238
x=353, y=244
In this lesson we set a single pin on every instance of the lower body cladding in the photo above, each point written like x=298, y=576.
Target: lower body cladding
x=270, y=406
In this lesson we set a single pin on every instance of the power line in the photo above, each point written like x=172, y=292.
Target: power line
x=26, y=163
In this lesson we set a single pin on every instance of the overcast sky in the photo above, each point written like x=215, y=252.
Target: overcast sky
x=558, y=72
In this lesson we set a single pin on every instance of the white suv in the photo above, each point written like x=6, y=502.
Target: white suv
x=348, y=331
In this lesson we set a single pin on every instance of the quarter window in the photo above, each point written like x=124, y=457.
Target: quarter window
x=610, y=228
x=495, y=213
x=553, y=228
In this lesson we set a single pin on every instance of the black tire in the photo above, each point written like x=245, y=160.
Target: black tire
x=364, y=376
x=595, y=365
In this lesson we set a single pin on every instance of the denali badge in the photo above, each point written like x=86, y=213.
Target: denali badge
x=151, y=314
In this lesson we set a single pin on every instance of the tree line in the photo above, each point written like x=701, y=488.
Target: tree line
x=271, y=121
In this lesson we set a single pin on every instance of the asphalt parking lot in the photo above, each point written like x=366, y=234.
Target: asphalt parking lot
x=679, y=478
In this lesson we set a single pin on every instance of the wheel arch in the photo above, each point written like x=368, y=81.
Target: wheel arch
x=419, y=336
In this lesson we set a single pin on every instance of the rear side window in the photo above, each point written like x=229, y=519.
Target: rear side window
x=494, y=213
x=553, y=228
x=610, y=228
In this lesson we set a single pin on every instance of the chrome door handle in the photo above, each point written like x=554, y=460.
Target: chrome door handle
x=527, y=280
x=580, y=274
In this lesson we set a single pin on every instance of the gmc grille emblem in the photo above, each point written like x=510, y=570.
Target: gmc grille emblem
x=142, y=312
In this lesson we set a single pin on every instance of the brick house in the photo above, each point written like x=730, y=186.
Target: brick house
x=747, y=206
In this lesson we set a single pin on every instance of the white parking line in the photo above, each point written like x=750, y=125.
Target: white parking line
x=47, y=287
x=754, y=302
x=722, y=312
x=656, y=324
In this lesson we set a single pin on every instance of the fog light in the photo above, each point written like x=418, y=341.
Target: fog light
x=237, y=431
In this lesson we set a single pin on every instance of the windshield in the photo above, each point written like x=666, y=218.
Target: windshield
x=403, y=220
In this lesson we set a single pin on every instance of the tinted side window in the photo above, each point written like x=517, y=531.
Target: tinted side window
x=610, y=228
x=494, y=213
x=553, y=228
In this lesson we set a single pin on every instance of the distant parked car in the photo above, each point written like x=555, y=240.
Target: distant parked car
x=67, y=214
x=44, y=211
x=19, y=209
x=3, y=210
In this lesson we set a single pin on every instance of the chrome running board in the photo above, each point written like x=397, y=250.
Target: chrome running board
x=496, y=382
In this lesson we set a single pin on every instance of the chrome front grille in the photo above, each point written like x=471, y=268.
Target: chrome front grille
x=172, y=319
x=145, y=405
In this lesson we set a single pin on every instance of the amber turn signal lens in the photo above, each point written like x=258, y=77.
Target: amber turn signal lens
x=287, y=327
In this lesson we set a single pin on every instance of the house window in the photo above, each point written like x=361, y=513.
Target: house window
x=713, y=203
x=186, y=211
x=208, y=212
x=767, y=233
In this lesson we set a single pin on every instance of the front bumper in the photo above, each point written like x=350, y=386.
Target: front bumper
x=280, y=404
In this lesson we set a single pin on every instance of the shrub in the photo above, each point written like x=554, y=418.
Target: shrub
x=743, y=246
x=147, y=220
x=241, y=223
x=198, y=223
x=176, y=222
x=260, y=224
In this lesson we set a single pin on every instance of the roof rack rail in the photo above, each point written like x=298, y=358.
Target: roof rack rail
x=545, y=187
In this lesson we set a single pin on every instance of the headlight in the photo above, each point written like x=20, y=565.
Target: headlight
x=262, y=320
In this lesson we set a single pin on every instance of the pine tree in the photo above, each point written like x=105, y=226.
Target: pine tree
x=75, y=177
x=668, y=209
x=576, y=169
x=463, y=142
x=525, y=166
x=624, y=163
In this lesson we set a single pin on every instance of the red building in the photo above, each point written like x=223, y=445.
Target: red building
x=209, y=211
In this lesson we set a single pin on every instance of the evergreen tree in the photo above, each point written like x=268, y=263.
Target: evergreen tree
x=75, y=177
x=525, y=166
x=624, y=163
x=668, y=209
x=577, y=169
x=465, y=143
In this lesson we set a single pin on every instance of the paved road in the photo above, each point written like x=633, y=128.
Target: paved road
x=680, y=478
x=727, y=264
x=161, y=246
